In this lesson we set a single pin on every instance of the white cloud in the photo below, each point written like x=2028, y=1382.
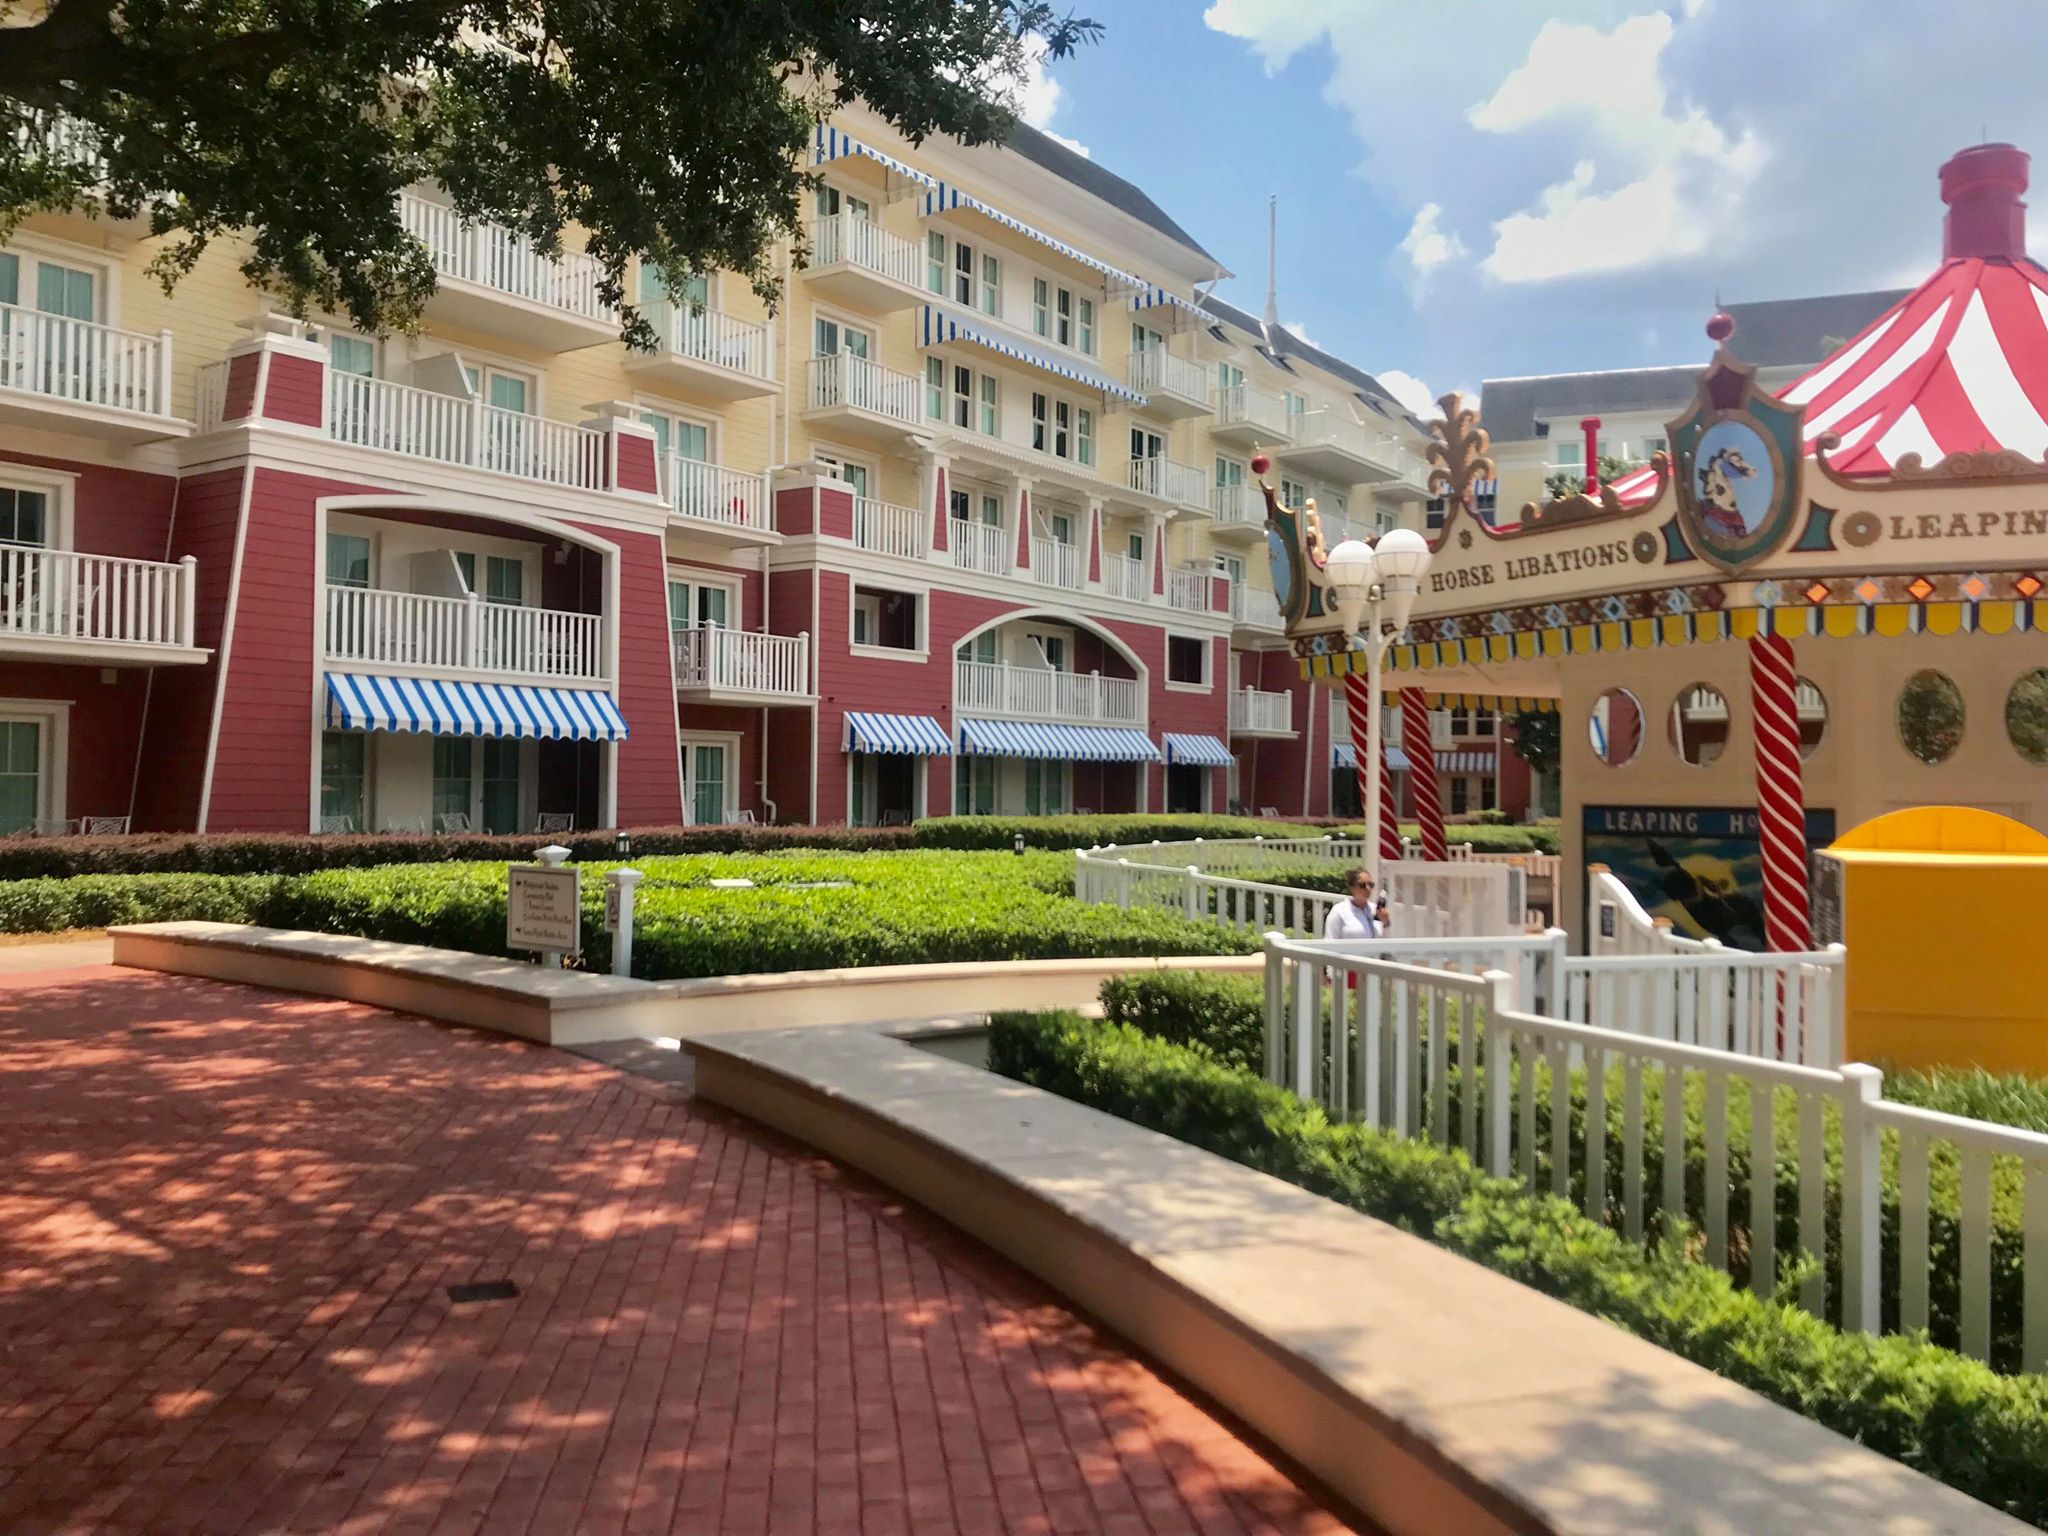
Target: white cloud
x=1074, y=144
x=1426, y=246
x=1684, y=175
x=1300, y=333
x=1038, y=98
x=1416, y=397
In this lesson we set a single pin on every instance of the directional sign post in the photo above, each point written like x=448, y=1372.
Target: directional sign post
x=544, y=906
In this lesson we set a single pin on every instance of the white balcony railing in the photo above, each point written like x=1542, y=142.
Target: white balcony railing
x=1039, y=693
x=844, y=379
x=1323, y=430
x=709, y=493
x=1155, y=369
x=711, y=336
x=1188, y=588
x=463, y=634
x=84, y=363
x=1054, y=564
x=1253, y=608
x=978, y=547
x=864, y=243
x=1181, y=483
x=62, y=595
x=1127, y=578
x=742, y=661
x=494, y=257
x=424, y=424
x=1237, y=506
x=1254, y=710
x=1242, y=406
x=888, y=529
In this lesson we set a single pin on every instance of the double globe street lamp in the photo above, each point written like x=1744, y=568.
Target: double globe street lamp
x=1376, y=585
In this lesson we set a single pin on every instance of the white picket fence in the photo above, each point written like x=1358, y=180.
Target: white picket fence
x=1446, y=1056
x=1620, y=926
x=1785, y=1007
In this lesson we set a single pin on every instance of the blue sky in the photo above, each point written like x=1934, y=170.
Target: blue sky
x=1589, y=179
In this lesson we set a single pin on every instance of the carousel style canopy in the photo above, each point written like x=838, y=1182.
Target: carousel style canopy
x=1960, y=365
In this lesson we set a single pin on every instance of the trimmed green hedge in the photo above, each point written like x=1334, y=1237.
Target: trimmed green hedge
x=806, y=911
x=1093, y=831
x=1950, y=1417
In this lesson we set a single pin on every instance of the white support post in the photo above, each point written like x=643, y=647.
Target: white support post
x=162, y=384
x=618, y=917
x=1276, y=1006
x=1862, y=1232
x=188, y=601
x=1191, y=894
x=1500, y=988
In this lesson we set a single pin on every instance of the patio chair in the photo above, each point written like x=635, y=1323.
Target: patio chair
x=332, y=824
x=554, y=821
x=744, y=819
x=1269, y=812
x=103, y=826
x=453, y=821
x=53, y=826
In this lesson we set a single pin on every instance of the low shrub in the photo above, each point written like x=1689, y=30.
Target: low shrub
x=1222, y=1015
x=99, y=901
x=1946, y=1416
x=1094, y=831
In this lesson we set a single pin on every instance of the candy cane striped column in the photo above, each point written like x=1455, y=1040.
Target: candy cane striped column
x=1780, y=792
x=1358, y=700
x=1422, y=785
x=1390, y=805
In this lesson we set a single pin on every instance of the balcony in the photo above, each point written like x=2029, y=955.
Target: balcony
x=1172, y=386
x=992, y=688
x=706, y=352
x=737, y=666
x=413, y=632
x=724, y=504
x=74, y=376
x=1239, y=511
x=888, y=529
x=1256, y=713
x=858, y=262
x=1254, y=611
x=496, y=282
x=979, y=548
x=1181, y=485
x=1345, y=452
x=852, y=395
x=61, y=605
x=1054, y=564
x=1127, y=578
x=1252, y=418
x=450, y=429
x=1189, y=589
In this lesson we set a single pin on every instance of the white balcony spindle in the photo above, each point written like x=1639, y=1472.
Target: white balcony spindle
x=84, y=363
x=64, y=595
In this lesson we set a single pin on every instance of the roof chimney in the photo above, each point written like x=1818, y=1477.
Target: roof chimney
x=1986, y=218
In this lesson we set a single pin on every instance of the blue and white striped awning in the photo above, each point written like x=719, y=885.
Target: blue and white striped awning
x=942, y=325
x=1196, y=751
x=944, y=199
x=363, y=701
x=830, y=144
x=906, y=735
x=1344, y=755
x=1066, y=743
x=1465, y=762
x=1157, y=298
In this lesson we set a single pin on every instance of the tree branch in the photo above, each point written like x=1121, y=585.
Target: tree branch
x=72, y=37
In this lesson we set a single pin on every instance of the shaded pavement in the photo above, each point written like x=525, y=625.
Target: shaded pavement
x=228, y=1234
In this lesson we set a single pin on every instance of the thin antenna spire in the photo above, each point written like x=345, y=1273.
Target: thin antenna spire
x=1272, y=316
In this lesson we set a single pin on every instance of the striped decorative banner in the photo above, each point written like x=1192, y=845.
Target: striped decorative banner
x=1780, y=796
x=1422, y=785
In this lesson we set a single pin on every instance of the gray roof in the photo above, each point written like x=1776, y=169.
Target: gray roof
x=1041, y=149
x=1511, y=408
x=1282, y=346
x=1797, y=333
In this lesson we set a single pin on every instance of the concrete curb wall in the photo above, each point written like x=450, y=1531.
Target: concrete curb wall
x=1432, y=1394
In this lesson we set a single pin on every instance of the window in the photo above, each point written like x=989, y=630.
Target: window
x=504, y=577
x=1063, y=317
x=1654, y=443
x=963, y=396
x=348, y=560
x=829, y=338
x=1187, y=660
x=991, y=285
x=935, y=262
x=1568, y=453
x=697, y=605
x=1045, y=787
x=832, y=201
x=24, y=515
x=21, y=774
x=1230, y=474
x=1041, y=324
x=959, y=505
x=991, y=417
x=963, y=273
x=935, y=388
x=1461, y=721
x=982, y=648
x=1084, y=436
x=500, y=387
x=453, y=764
x=854, y=475
x=1229, y=376
x=1482, y=722
x=974, y=786
x=707, y=788
x=678, y=435
x=1041, y=437
x=1060, y=525
x=1232, y=566
x=355, y=355
x=690, y=294
x=501, y=797
x=1054, y=649
x=1084, y=330
x=1293, y=494
x=1062, y=428
x=1144, y=338
x=1461, y=795
x=1134, y=546
x=344, y=781
x=1297, y=409
x=885, y=619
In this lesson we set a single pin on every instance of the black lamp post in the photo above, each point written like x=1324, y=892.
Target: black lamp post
x=622, y=844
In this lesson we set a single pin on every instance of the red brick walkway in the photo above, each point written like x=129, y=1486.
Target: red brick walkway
x=228, y=1221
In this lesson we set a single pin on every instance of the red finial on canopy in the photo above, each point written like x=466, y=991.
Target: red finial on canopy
x=1982, y=187
x=1720, y=327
